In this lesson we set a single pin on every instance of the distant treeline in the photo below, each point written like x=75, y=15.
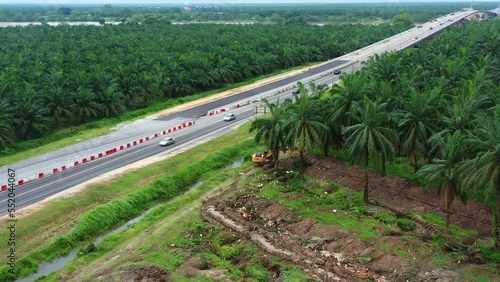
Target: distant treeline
x=270, y=13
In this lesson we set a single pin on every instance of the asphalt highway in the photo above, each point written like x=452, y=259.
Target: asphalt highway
x=202, y=110
x=35, y=191
x=38, y=190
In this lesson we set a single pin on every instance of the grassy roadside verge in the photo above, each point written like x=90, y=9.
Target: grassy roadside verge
x=60, y=226
x=172, y=238
x=168, y=224
x=70, y=136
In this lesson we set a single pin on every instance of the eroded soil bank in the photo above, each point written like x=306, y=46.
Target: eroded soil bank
x=327, y=252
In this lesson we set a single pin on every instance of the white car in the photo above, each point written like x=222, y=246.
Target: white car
x=229, y=117
x=167, y=141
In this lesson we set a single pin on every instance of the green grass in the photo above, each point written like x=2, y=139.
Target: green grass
x=158, y=251
x=270, y=192
x=63, y=215
x=219, y=254
x=24, y=150
x=317, y=205
x=363, y=259
x=459, y=234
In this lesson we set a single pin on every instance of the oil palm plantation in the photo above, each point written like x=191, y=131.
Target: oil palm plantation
x=86, y=106
x=31, y=119
x=271, y=128
x=7, y=135
x=417, y=123
x=344, y=95
x=111, y=101
x=59, y=106
x=304, y=124
x=333, y=136
x=445, y=169
x=483, y=171
x=368, y=138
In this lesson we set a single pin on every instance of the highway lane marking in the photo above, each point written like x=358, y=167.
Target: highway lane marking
x=89, y=169
x=50, y=193
x=76, y=174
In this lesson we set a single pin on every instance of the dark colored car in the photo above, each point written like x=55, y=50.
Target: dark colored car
x=337, y=72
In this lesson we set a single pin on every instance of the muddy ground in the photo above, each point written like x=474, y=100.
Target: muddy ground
x=328, y=253
x=403, y=195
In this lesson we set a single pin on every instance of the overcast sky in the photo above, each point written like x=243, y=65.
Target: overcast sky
x=229, y=2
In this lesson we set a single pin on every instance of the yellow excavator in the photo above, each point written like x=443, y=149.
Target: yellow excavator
x=261, y=159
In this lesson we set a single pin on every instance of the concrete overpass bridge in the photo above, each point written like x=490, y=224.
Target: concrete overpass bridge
x=432, y=28
x=483, y=15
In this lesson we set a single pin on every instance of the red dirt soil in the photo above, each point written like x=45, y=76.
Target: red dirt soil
x=401, y=194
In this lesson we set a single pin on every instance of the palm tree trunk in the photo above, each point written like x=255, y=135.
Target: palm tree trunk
x=325, y=146
x=383, y=165
x=302, y=146
x=365, y=193
x=276, y=154
x=415, y=162
x=449, y=195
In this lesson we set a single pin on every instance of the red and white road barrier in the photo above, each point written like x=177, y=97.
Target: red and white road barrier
x=242, y=104
x=111, y=151
x=216, y=112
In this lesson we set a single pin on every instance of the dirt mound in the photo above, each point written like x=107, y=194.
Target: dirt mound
x=145, y=274
x=403, y=195
x=309, y=228
x=195, y=266
x=276, y=213
x=328, y=253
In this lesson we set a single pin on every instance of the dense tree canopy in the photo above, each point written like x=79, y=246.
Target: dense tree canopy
x=437, y=104
x=53, y=77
